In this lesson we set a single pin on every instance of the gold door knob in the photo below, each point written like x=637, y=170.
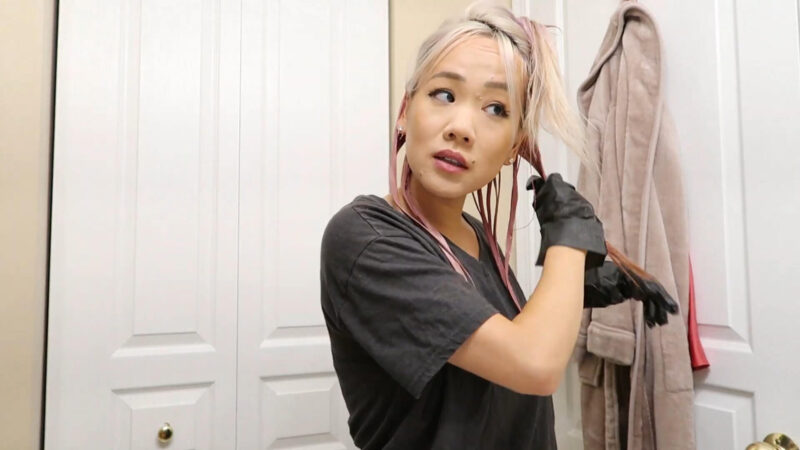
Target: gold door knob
x=774, y=441
x=781, y=441
x=165, y=433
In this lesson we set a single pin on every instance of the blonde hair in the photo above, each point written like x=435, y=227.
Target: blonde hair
x=545, y=103
x=542, y=104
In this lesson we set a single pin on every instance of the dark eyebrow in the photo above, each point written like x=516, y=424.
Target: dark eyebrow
x=457, y=77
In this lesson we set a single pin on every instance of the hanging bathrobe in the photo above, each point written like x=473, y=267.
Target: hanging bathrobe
x=636, y=382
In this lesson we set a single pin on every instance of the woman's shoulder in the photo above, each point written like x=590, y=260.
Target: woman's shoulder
x=364, y=219
x=367, y=217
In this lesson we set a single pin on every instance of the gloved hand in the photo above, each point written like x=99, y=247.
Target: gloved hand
x=608, y=285
x=566, y=218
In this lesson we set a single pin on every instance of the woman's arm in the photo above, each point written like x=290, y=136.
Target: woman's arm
x=529, y=354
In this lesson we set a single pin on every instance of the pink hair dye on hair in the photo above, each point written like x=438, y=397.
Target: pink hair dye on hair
x=484, y=207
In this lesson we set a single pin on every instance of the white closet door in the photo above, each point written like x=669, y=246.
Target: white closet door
x=142, y=313
x=733, y=83
x=315, y=116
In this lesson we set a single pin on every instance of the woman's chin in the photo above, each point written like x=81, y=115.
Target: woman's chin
x=446, y=190
x=446, y=186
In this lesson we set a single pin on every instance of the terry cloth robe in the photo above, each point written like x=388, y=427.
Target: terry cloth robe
x=636, y=382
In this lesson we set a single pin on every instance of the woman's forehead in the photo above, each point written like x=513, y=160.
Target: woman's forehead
x=473, y=53
x=475, y=59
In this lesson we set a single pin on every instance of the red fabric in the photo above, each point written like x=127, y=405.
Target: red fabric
x=696, y=352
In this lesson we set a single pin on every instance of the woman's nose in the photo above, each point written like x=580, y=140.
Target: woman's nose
x=459, y=132
x=453, y=136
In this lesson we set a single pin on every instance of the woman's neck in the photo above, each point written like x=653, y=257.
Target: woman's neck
x=442, y=213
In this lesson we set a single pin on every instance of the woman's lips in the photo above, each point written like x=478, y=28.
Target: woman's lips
x=450, y=161
x=448, y=166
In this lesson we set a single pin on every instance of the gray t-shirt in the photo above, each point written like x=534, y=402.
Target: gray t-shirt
x=396, y=311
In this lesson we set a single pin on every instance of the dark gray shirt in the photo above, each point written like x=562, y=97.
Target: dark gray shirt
x=396, y=311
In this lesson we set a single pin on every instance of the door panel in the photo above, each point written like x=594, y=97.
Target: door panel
x=142, y=313
x=738, y=135
x=314, y=135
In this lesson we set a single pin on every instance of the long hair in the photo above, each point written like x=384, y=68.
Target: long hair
x=542, y=103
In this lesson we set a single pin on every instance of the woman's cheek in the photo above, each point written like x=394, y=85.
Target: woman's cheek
x=483, y=176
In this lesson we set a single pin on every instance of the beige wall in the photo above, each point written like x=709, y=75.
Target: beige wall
x=26, y=46
x=411, y=22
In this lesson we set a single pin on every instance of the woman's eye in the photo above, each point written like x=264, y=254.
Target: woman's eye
x=441, y=94
x=499, y=110
x=495, y=109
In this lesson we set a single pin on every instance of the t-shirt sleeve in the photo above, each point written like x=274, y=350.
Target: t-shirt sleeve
x=409, y=309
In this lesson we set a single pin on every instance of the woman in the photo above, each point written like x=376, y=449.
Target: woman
x=433, y=341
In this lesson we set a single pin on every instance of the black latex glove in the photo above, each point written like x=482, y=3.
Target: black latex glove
x=566, y=218
x=607, y=285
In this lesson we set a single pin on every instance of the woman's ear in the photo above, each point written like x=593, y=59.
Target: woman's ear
x=512, y=156
x=515, y=149
x=401, y=116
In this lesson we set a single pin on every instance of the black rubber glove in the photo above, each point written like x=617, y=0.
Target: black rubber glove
x=566, y=218
x=607, y=285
